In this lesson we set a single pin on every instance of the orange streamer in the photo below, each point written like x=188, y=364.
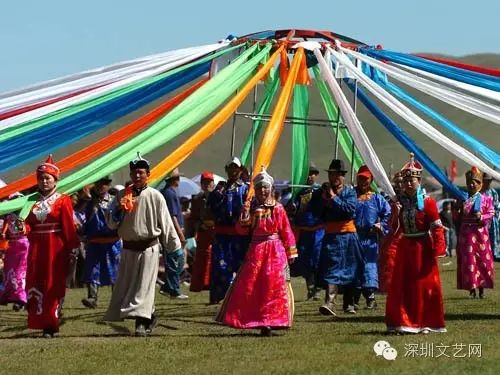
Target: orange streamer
x=303, y=76
x=283, y=66
x=275, y=127
x=105, y=144
x=215, y=123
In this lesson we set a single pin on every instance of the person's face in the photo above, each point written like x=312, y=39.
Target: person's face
x=233, y=171
x=336, y=179
x=262, y=193
x=175, y=181
x=101, y=189
x=311, y=179
x=398, y=184
x=486, y=184
x=207, y=185
x=46, y=182
x=410, y=185
x=74, y=199
x=363, y=183
x=139, y=177
x=473, y=185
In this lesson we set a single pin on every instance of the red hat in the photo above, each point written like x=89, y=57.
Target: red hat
x=49, y=167
x=365, y=172
x=206, y=175
x=412, y=168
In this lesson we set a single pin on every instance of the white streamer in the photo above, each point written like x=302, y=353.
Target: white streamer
x=462, y=101
x=403, y=111
x=36, y=113
x=357, y=132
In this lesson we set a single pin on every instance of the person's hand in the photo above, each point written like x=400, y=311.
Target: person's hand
x=378, y=228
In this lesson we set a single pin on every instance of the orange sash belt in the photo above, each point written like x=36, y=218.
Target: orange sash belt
x=346, y=226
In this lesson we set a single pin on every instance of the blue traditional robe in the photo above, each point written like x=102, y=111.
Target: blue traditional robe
x=103, y=245
x=229, y=247
x=371, y=208
x=310, y=232
x=341, y=256
x=494, y=231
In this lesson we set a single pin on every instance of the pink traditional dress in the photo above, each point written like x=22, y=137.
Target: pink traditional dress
x=15, y=261
x=475, y=268
x=261, y=295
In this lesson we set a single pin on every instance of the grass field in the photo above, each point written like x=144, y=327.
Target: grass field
x=188, y=341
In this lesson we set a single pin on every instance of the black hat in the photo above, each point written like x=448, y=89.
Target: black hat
x=313, y=169
x=487, y=177
x=337, y=165
x=139, y=163
x=106, y=180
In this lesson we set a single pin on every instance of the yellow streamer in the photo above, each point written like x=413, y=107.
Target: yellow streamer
x=215, y=123
x=275, y=127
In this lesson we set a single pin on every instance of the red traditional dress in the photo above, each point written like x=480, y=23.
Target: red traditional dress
x=414, y=300
x=388, y=248
x=204, y=227
x=475, y=267
x=52, y=236
x=260, y=295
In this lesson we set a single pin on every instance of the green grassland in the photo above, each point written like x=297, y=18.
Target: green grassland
x=214, y=153
x=189, y=341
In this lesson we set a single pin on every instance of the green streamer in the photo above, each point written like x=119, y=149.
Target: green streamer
x=30, y=125
x=271, y=87
x=345, y=140
x=193, y=109
x=300, y=137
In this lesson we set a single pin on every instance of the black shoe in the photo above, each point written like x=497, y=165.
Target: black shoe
x=481, y=293
x=472, y=293
x=371, y=304
x=17, y=307
x=90, y=303
x=327, y=309
x=266, y=332
x=140, y=330
x=47, y=334
x=152, y=324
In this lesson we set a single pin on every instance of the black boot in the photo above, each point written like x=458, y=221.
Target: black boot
x=91, y=300
x=47, y=334
x=153, y=322
x=369, y=295
x=481, y=293
x=266, y=332
x=328, y=308
x=140, y=326
x=348, y=300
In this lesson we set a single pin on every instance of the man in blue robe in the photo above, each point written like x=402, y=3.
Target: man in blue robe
x=103, y=244
x=309, y=230
x=372, y=222
x=229, y=247
x=342, y=264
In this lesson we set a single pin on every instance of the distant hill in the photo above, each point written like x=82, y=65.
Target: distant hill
x=214, y=153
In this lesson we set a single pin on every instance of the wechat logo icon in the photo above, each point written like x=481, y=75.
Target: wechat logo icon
x=384, y=349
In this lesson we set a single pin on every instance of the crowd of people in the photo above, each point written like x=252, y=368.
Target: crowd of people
x=241, y=242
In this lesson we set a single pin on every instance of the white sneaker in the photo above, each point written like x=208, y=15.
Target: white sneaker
x=180, y=296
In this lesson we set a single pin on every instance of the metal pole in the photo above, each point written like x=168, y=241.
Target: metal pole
x=233, y=136
x=253, y=129
x=355, y=105
x=337, y=133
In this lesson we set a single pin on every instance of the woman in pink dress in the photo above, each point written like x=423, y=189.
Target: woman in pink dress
x=261, y=296
x=475, y=269
x=14, y=235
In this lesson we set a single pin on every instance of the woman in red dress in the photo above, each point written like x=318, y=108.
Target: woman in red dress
x=415, y=300
x=52, y=236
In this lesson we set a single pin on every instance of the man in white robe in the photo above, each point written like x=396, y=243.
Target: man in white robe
x=141, y=216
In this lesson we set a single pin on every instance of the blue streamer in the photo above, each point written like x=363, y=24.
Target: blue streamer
x=476, y=145
x=408, y=143
x=32, y=145
x=457, y=74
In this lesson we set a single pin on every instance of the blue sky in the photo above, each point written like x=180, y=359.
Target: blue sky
x=45, y=39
